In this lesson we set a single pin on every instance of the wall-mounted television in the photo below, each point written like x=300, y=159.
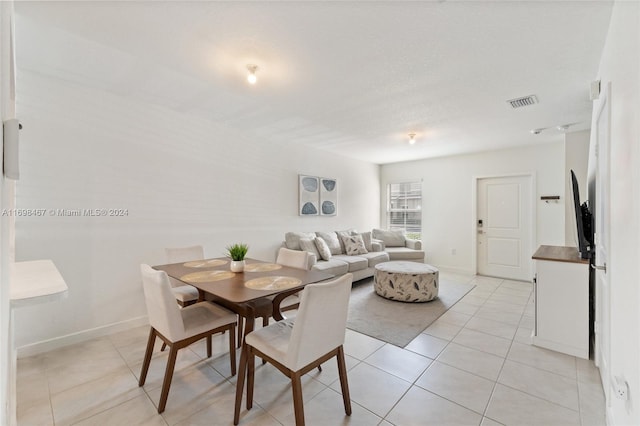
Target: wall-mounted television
x=584, y=220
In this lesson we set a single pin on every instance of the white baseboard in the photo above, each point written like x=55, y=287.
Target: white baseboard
x=80, y=336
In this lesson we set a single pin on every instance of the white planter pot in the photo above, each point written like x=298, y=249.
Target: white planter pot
x=237, y=266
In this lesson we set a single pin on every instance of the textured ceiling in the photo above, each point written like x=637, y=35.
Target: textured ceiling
x=348, y=77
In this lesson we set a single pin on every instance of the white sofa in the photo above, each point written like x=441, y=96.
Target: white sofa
x=360, y=265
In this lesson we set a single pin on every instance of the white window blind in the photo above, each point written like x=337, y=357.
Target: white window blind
x=404, y=208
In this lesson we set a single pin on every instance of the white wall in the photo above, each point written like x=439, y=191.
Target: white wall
x=620, y=65
x=447, y=189
x=183, y=180
x=576, y=158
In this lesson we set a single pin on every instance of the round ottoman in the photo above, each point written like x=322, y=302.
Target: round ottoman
x=406, y=281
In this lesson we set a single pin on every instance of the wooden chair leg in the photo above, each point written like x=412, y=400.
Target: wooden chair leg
x=168, y=376
x=164, y=346
x=209, y=346
x=251, y=368
x=265, y=322
x=344, y=384
x=147, y=356
x=240, y=386
x=298, y=408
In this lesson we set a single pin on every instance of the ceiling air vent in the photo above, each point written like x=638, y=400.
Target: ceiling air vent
x=524, y=101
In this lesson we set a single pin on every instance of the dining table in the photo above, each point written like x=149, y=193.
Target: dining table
x=243, y=292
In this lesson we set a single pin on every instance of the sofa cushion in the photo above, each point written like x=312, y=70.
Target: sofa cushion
x=333, y=266
x=292, y=239
x=403, y=253
x=323, y=248
x=375, y=257
x=354, y=245
x=309, y=245
x=331, y=238
x=391, y=238
x=355, y=263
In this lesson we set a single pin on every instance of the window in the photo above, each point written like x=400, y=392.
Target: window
x=404, y=208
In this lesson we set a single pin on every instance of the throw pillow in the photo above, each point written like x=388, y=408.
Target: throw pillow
x=292, y=239
x=342, y=234
x=309, y=245
x=331, y=238
x=354, y=244
x=391, y=238
x=323, y=248
x=366, y=237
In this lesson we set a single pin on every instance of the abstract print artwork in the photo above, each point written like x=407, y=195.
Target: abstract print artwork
x=309, y=195
x=328, y=197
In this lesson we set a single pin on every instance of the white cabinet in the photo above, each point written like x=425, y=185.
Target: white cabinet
x=561, y=301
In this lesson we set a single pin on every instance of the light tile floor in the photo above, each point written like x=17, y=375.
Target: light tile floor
x=473, y=366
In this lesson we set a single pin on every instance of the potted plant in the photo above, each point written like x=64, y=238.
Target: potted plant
x=237, y=252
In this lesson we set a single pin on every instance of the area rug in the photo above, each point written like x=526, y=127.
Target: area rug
x=395, y=322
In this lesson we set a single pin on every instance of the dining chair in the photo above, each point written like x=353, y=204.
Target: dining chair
x=184, y=293
x=293, y=259
x=296, y=346
x=179, y=328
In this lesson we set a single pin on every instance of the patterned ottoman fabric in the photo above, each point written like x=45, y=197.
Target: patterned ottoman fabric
x=406, y=281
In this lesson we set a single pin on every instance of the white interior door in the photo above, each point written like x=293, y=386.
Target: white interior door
x=504, y=227
x=601, y=211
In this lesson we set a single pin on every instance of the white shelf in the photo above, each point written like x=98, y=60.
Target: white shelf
x=34, y=282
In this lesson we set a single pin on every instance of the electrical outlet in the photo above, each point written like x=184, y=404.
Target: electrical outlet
x=620, y=388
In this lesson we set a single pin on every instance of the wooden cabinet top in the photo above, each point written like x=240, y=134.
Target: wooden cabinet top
x=559, y=254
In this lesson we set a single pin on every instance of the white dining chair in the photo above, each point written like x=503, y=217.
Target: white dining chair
x=184, y=293
x=179, y=328
x=296, y=346
x=293, y=259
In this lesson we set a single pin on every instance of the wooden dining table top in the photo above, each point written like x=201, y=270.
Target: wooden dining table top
x=231, y=286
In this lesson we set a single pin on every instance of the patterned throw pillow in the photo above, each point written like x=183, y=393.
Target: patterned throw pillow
x=309, y=245
x=341, y=234
x=323, y=248
x=354, y=244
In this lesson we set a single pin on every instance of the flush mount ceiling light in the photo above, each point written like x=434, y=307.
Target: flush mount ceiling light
x=251, y=78
x=561, y=127
x=412, y=138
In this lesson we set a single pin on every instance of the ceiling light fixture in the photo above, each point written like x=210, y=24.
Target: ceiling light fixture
x=412, y=138
x=251, y=78
x=561, y=127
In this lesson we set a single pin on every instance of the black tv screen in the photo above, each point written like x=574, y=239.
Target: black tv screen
x=583, y=221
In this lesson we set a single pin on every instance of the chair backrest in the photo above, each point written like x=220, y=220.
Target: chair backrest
x=321, y=321
x=164, y=313
x=293, y=258
x=184, y=254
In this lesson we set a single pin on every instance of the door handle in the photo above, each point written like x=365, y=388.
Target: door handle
x=600, y=268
